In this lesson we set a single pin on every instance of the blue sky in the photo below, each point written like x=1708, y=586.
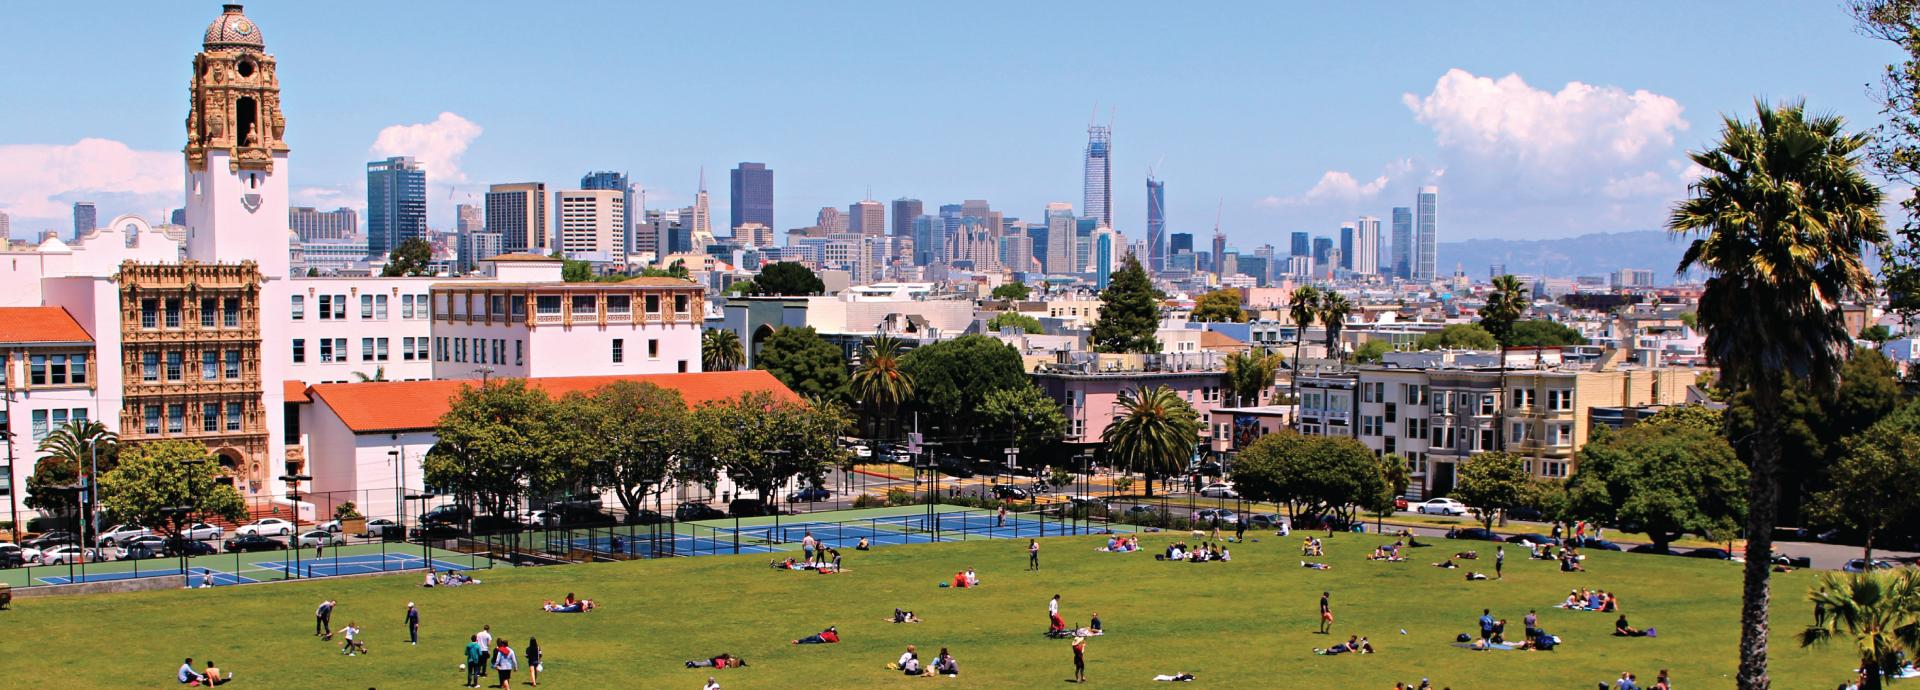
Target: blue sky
x=1534, y=119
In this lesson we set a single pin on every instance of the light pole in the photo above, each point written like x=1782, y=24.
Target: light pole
x=293, y=488
x=184, y=514
x=399, y=486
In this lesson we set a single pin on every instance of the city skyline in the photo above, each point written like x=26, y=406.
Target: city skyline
x=1406, y=124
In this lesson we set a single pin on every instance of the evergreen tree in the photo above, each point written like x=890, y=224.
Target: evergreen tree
x=1129, y=312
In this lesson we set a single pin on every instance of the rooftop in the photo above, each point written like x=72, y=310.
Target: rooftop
x=40, y=325
x=395, y=406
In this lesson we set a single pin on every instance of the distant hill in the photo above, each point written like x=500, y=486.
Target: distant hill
x=1585, y=255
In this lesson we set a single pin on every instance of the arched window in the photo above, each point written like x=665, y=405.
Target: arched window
x=246, y=120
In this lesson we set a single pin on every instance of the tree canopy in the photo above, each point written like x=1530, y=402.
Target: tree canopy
x=1458, y=336
x=410, y=258
x=1667, y=476
x=488, y=462
x=1495, y=481
x=1014, y=319
x=720, y=350
x=1222, y=305
x=1011, y=291
x=1034, y=421
x=951, y=380
x=1154, y=431
x=788, y=278
x=153, y=478
x=1129, y=312
x=1542, y=333
x=1316, y=476
x=1871, y=486
x=1371, y=351
x=629, y=436
x=761, y=442
x=808, y=364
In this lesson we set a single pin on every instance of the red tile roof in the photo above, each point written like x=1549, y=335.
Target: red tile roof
x=21, y=325
x=294, y=391
x=389, y=406
x=523, y=256
x=1215, y=340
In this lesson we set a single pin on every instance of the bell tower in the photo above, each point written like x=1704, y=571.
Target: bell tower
x=236, y=154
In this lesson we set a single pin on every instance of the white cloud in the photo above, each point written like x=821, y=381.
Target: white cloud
x=1339, y=185
x=40, y=182
x=1558, y=134
x=1646, y=184
x=438, y=145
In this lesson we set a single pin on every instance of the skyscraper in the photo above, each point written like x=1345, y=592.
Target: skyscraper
x=587, y=221
x=1366, y=246
x=1097, y=202
x=1180, y=242
x=929, y=239
x=6, y=226
x=867, y=218
x=85, y=218
x=466, y=218
x=1346, y=246
x=752, y=195
x=1426, y=228
x=311, y=224
x=700, y=226
x=904, y=211
x=518, y=212
x=1322, y=251
x=1108, y=249
x=1058, y=256
x=617, y=181
x=396, y=203
x=1156, y=225
x=1219, y=254
x=831, y=221
x=1402, y=242
x=1301, y=245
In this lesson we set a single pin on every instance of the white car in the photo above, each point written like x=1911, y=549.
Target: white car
x=1206, y=517
x=267, y=527
x=1219, y=490
x=320, y=537
x=1859, y=565
x=201, y=531
x=380, y=527
x=1441, y=506
x=120, y=533
x=542, y=518
x=64, y=555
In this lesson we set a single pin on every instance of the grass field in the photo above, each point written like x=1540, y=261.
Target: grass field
x=1249, y=623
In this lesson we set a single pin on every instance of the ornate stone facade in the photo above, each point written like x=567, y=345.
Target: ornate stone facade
x=191, y=362
x=235, y=97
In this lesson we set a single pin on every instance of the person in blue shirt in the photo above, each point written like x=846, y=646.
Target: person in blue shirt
x=413, y=624
x=1486, y=624
x=188, y=675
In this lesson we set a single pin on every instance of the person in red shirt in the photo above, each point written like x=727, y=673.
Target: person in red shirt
x=829, y=636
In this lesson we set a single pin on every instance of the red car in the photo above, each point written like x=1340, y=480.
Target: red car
x=1399, y=503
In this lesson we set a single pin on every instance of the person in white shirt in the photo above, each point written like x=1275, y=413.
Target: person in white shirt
x=485, y=638
x=350, y=647
x=1053, y=607
x=712, y=684
x=909, y=661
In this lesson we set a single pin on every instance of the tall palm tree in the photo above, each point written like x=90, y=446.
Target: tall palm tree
x=879, y=383
x=1505, y=304
x=1879, y=609
x=1304, y=307
x=720, y=350
x=1154, y=432
x=1249, y=373
x=379, y=374
x=1782, y=213
x=1334, y=309
x=87, y=447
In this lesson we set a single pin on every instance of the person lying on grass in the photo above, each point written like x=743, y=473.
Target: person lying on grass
x=1354, y=644
x=900, y=616
x=569, y=605
x=829, y=636
x=792, y=563
x=1315, y=566
x=1448, y=564
x=721, y=660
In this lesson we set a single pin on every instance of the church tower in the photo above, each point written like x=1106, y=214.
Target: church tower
x=236, y=153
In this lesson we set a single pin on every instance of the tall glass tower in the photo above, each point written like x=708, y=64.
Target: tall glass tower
x=752, y=195
x=1402, y=242
x=1098, y=199
x=1156, y=224
x=396, y=204
x=1426, y=229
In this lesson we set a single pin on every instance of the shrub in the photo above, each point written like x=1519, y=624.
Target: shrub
x=346, y=511
x=867, y=501
x=900, y=497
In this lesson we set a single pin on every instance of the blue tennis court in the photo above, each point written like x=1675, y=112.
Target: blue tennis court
x=199, y=575
x=360, y=565
x=643, y=546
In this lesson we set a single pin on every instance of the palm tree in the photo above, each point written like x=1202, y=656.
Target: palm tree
x=1879, y=609
x=1334, y=309
x=85, y=446
x=1154, y=432
x=379, y=374
x=720, y=350
x=1782, y=211
x=879, y=383
x=1306, y=305
x=1504, y=306
x=1249, y=373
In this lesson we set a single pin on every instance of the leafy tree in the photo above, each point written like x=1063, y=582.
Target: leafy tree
x=1542, y=333
x=1458, y=336
x=1505, y=304
x=1895, y=148
x=720, y=350
x=1371, y=351
x=1154, y=431
x=1871, y=487
x=154, y=478
x=1692, y=416
x=313, y=272
x=1334, y=309
x=678, y=269
x=743, y=287
x=808, y=364
x=951, y=380
x=879, y=383
x=67, y=453
x=1784, y=209
x=1011, y=291
x=1670, y=476
x=576, y=271
x=762, y=442
x=1316, y=476
x=1494, y=481
x=630, y=437
x=1219, y=306
x=788, y=278
x=1014, y=319
x=1690, y=319
x=409, y=259
x=1879, y=610
x=1033, y=420
x=379, y=374
x=1250, y=373
x=499, y=442
x=1878, y=334
x=1129, y=312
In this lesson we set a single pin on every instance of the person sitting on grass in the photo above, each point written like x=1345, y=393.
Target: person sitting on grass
x=1609, y=604
x=945, y=665
x=900, y=616
x=863, y=545
x=570, y=605
x=1622, y=629
x=909, y=662
x=829, y=636
x=1570, y=563
x=429, y=579
x=973, y=579
x=1315, y=566
x=188, y=676
x=1093, y=626
x=215, y=676
x=721, y=660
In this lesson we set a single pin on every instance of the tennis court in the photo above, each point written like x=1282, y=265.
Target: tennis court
x=246, y=568
x=199, y=575
x=645, y=545
x=365, y=564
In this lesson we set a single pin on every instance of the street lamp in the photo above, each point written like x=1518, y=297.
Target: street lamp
x=399, y=486
x=183, y=514
x=293, y=488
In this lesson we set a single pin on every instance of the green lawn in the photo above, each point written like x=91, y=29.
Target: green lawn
x=1248, y=623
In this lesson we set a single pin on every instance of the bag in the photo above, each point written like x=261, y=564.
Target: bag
x=1462, y=637
x=540, y=668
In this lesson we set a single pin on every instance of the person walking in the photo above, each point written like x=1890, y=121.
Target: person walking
x=1326, y=614
x=1499, y=560
x=323, y=620
x=533, y=661
x=485, y=637
x=1001, y=517
x=413, y=624
x=1240, y=531
x=1079, y=659
x=1033, y=554
x=476, y=660
x=504, y=663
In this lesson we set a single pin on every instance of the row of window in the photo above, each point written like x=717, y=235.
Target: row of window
x=215, y=365
x=45, y=421
x=215, y=312
x=372, y=307
x=476, y=350
x=53, y=370
x=1558, y=399
x=174, y=418
x=1461, y=438
x=583, y=305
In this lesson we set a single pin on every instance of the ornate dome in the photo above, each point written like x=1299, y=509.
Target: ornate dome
x=233, y=30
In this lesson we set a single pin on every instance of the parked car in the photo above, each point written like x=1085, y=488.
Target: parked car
x=1206, y=516
x=11, y=556
x=380, y=527
x=542, y=518
x=692, y=510
x=1219, y=490
x=1531, y=538
x=200, y=531
x=193, y=548
x=1781, y=559
x=495, y=524
x=955, y=467
x=253, y=541
x=1089, y=502
x=1593, y=543
x=1267, y=521
x=1142, y=511
x=141, y=551
x=1399, y=503
x=1475, y=534
x=1649, y=548
x=811, y=493
x=266, y=527
x=1860, y=565
x=50, y=539
x=645, y=517
x=1441, y=506
x=748, y=507
x=436, y=531
x=1710, y=552
x=1008, y=492
x=320, y=537
x=151, y=541
x=63, y=555
x=455, y=514
x=120, y=533
x=1525, y=513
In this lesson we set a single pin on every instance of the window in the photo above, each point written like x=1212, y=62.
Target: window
x=1313, y=402
x=653, y=348
x=547, y=305
x=299, y=350
x=1522, y=398
x=497, y=305
x=233, y=364
x=406, y=349
x=366, y=306
x=326, y=350
x=40, y=425
x=152, y=416
x=233, y=416
x=440, y=349
x=1553, y=468
x=174, y=364
x=1415, y=394
x=519, y=305
x=209, y=308
x=210, y=417
x=380, y=349
x=326, y=307
x=500, y=351
x=1370, y=425
x=77, y=375
x=619, y=350
x=37, y=370
x=1560, y=399
x=1560, y=434
x=406, y=306
x=230, y=313
x=653, y=304
x=299, y=307
x=1486, y=404
x=1077, y=428
x=1387, y=444
x=366, y=349
x=683, y=366
x=149, y=366
x=173, y=313
x=583, y=305
x=209, y=365
x=680, y=303
x=1486, y=439
x=149, y=314
x=459, y=349
x=517, y=358
x=619, y=304
x=176, y=419
x=1519, y=432
x=1415, y=428
x=333, y=307
x=1443, y=436
x=1373, y=392
x=1393, y=413
x=1417, y=463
